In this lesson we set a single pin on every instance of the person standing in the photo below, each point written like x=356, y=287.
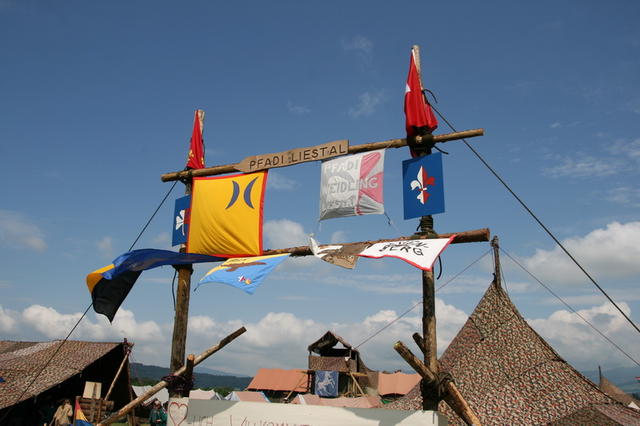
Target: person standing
x=157, y=417
x=64, y=414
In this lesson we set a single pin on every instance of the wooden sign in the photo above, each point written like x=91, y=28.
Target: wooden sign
x=294, y=156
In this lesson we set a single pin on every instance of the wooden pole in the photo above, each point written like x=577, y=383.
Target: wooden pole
x=181, y=317
x=496, y=260
x=372, y=146
x=419, y=341
x=124, y=360
x=430, y=348
x=452, y=396
x=162, y=384
x=188, y=373
x=356, y=383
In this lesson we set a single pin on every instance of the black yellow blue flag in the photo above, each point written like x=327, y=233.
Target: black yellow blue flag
x=109, y=286
x=226, y=215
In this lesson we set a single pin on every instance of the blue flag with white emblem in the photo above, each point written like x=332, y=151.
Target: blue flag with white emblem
x=423, y=186
x=181, y=214
x=326, y=383
x=245, y=273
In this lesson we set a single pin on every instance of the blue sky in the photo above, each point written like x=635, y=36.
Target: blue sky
x=97, y=102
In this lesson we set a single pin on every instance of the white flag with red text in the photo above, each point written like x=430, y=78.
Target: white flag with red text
x=352, y=185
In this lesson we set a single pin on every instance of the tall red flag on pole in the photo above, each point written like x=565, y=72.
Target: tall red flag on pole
x=419, y=116
x=195, y=160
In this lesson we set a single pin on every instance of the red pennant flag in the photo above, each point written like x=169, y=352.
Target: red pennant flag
x=420, y=117
x=195, y=160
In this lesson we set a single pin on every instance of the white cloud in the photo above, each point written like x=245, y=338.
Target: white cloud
x=17, y=231
x=630, y=150
x=48, y=321
x=284, y=233
x=297, y=109
x=584, y=166
x=612, y=252
x=626, y=195
x=105, y=246
x=279, y=182
x=52, y=324
x=620, y=157
x=557, y=124
x=367, y=104
x=338, y=237
x=7, y=321
x=565, y=332
x=280, y=339
x=362, y=46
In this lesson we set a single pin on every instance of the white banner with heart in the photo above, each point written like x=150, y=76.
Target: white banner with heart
x=201, y=412
x=177, y=411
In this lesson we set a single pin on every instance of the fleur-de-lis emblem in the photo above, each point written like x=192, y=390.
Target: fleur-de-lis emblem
x=180, y=221
x=422, y=183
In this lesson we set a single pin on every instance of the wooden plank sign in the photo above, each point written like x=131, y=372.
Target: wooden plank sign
x=293, y=156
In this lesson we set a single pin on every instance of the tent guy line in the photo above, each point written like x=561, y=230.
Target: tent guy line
x=604, y=336
x=544, y=227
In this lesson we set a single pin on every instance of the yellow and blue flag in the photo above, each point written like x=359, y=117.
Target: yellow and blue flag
x=245, y=273
x=79, y=418
x=226, y=215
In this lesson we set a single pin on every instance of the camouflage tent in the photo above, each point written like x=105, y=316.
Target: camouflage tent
x=35, y=372
x=509, y=375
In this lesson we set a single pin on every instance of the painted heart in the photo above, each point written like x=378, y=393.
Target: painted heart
x=177, y=412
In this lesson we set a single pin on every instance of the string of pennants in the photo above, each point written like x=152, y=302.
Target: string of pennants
x=222, y=219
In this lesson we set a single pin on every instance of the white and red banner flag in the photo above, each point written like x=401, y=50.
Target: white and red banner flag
x=352, y=185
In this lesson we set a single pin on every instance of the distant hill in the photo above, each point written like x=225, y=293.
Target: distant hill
x=622, y=377
x=218, y=379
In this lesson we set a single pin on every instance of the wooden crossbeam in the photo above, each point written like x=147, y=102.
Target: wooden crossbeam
x=474, y=236
x=372, y=146
x=162, y=384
